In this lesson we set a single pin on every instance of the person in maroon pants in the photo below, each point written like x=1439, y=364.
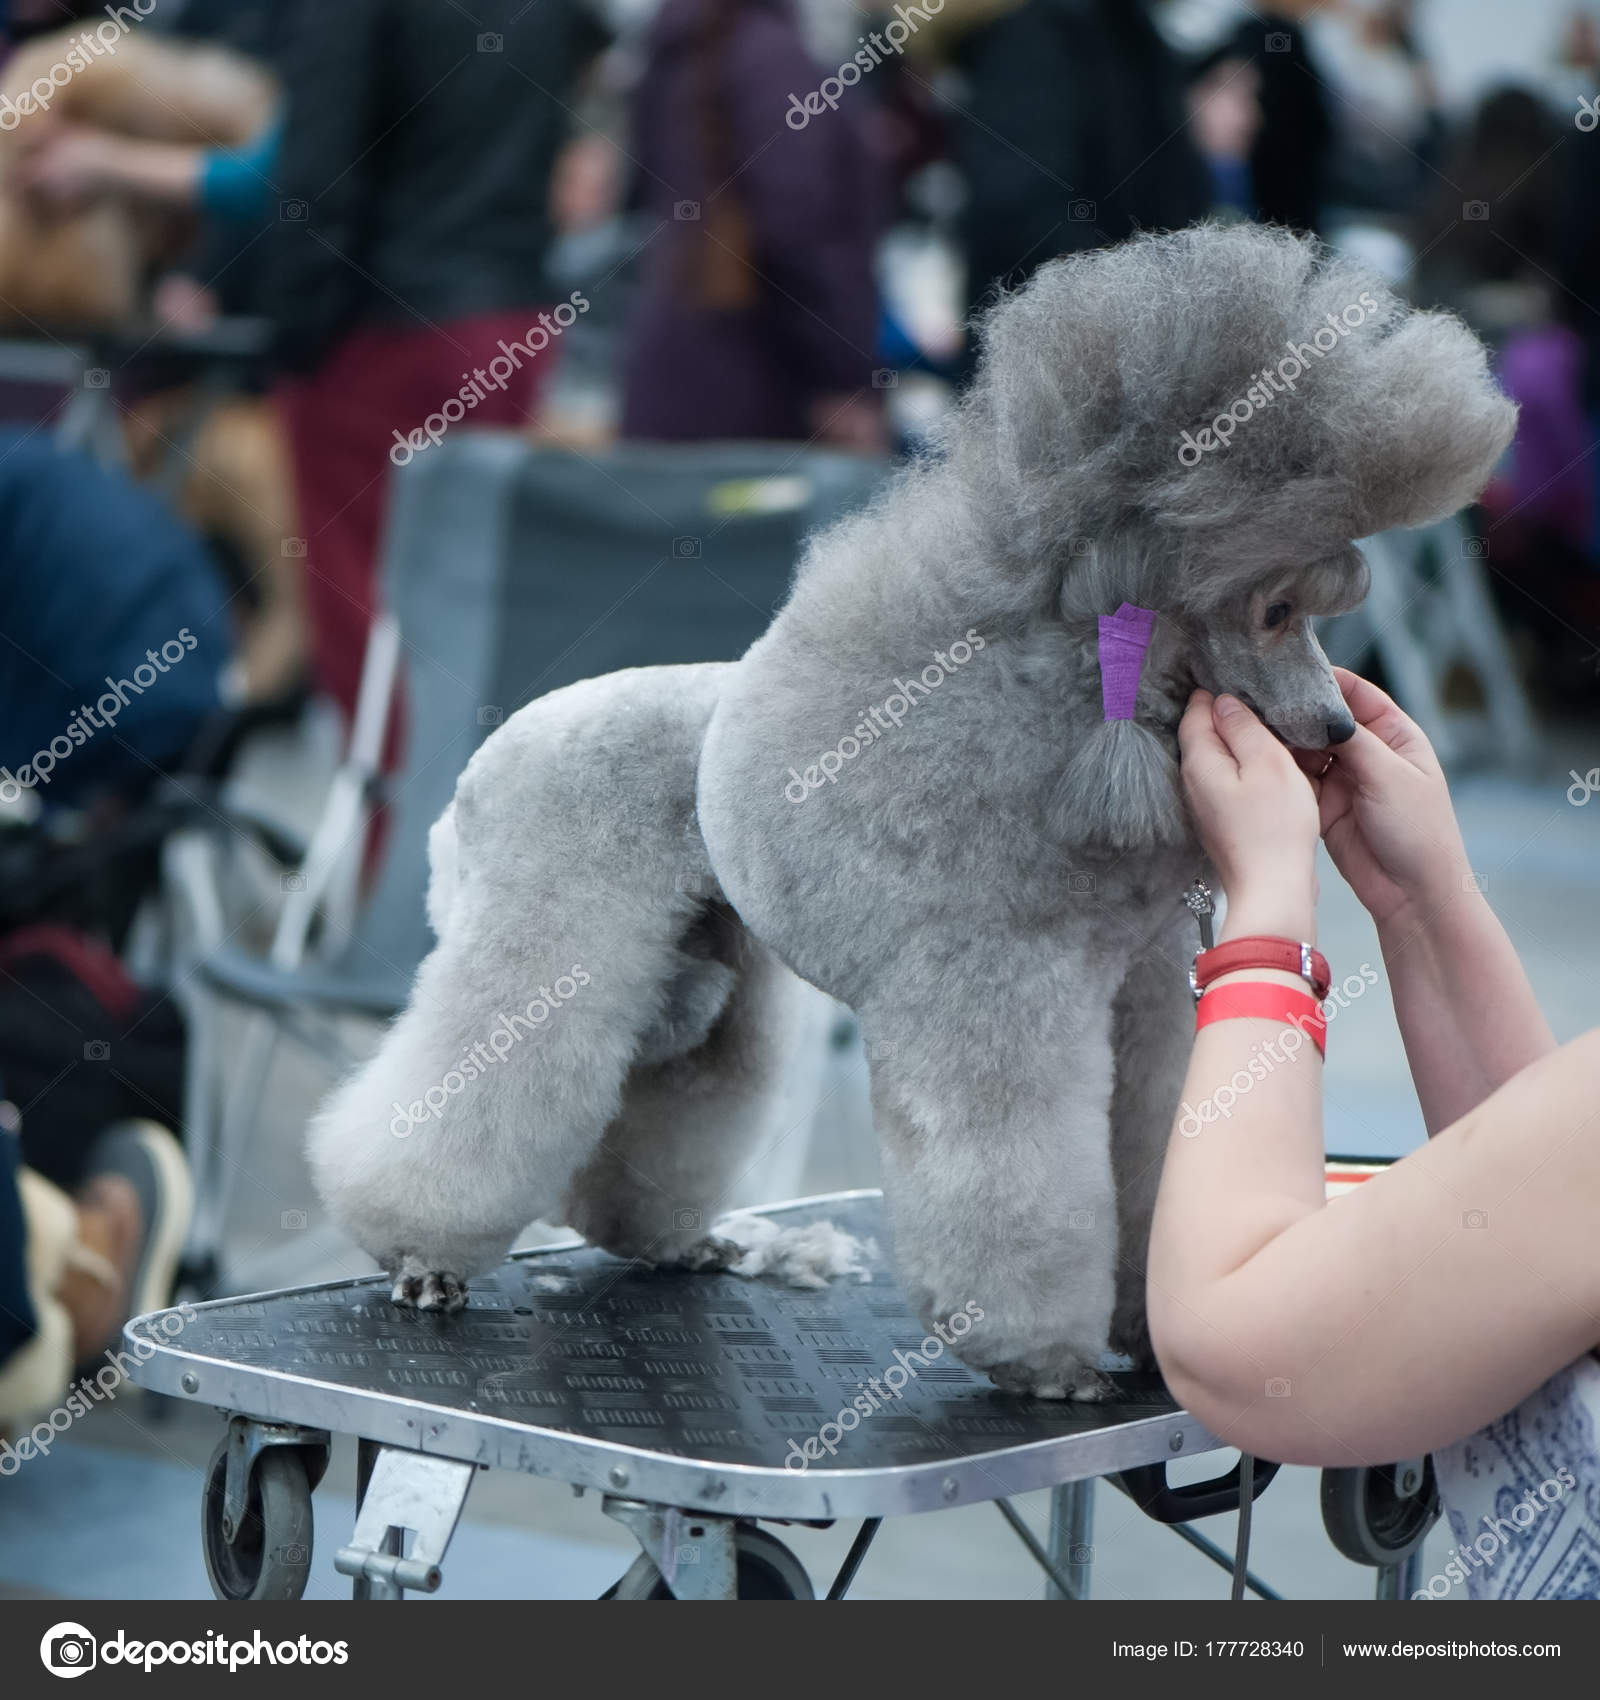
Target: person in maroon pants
x=407, y=284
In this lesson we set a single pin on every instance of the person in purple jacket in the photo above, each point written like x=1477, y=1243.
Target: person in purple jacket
x=757, y=311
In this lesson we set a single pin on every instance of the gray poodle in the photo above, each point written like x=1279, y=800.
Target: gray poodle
x=907, y=794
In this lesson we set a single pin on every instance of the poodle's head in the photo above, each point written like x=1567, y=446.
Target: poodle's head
x=1260, y=647
x=1203, y=423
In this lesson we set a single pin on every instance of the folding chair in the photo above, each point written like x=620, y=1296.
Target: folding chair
x=508, y=571
x=1429, y=612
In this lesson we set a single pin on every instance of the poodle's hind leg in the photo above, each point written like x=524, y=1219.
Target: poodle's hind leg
x=671, y=1159
x=565, y=875
x=992, y=1115
x=1152, y=1034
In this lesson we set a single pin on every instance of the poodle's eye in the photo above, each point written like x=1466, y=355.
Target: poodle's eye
x=1278, y=614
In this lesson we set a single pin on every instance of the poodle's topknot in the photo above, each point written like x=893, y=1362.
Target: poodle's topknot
x=1092, y=415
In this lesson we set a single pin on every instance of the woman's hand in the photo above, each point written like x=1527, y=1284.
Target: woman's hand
x=72, y=164
x=1256, y=816
x=1385, y=808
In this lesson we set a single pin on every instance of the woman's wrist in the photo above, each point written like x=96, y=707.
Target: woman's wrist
x=1285, y=909
x=1444, y=923
x=1452, y=890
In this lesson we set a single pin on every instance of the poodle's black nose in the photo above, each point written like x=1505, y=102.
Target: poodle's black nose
x=1340, y=731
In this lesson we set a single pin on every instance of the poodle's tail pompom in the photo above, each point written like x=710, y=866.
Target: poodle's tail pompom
x=1120, y=791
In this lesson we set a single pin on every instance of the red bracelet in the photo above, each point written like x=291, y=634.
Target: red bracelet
x=1265, y=1000
x=1292, y=956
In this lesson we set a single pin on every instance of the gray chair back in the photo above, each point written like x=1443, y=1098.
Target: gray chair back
x=514, y=570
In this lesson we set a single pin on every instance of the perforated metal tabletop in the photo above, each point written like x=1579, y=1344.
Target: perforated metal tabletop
x=699, y=1391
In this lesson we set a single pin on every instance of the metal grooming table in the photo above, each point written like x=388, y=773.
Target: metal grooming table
x=676, y=1396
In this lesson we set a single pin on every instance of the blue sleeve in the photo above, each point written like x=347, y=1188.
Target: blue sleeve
x=235, y=186
x=17, y=1321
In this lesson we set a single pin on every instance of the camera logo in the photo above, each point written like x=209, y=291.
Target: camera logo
x=68, y=1649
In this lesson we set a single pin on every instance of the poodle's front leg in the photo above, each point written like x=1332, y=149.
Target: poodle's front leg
x=997, y=1169
x=1152, y=1035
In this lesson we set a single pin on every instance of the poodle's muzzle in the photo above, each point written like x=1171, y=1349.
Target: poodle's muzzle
x=1287, y=681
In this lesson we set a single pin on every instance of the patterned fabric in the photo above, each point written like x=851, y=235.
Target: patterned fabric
x=1523, y=1498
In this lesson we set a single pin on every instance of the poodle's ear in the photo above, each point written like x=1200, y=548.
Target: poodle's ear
x=1119, y=791
x=1424, y=438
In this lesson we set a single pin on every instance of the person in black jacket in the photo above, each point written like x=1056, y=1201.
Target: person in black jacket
x=1073, y=135
x=412, y=220
x=1291, y=157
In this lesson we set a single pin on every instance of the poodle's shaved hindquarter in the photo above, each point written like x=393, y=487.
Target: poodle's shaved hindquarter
x=906, y=794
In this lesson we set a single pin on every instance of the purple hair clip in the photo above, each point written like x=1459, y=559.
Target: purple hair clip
x=1124, y=637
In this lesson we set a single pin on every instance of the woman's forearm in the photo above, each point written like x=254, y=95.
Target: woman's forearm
x=1466, y=1011
x=1245, y=1159
x=164, y=173
x=1435, y=1298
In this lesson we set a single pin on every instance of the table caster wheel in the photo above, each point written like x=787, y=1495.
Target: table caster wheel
x=767, y=1570
x=1379, y=1514
x=268, y=1557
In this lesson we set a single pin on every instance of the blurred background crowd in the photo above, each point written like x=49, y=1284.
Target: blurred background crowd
x=260, y=258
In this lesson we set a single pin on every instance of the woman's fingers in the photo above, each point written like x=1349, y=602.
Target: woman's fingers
x=1366, y=760
x=1384, y=718
x=1242, y=732
x=1197, y=731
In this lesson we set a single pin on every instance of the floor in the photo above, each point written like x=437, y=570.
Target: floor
x=112, y=1512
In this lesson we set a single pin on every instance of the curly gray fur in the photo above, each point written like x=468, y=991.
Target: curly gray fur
x=992, y=882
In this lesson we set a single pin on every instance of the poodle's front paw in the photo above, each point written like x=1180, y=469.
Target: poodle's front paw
x=1051, y=1375
x=427, y=1289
